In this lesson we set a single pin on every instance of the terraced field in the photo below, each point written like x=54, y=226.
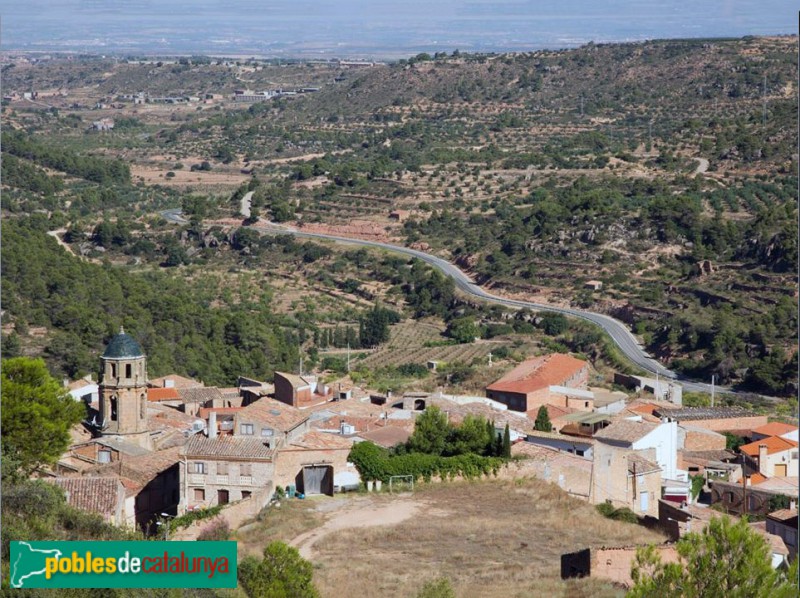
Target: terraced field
x=407, y=345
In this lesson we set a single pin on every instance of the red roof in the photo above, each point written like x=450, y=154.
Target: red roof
x=774, y=444
x=162, y=394
x=538, y=373
x=775, y=429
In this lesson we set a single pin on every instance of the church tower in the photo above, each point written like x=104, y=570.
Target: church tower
x=123, y=390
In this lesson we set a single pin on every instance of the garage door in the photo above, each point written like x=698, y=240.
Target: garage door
x=318, y=479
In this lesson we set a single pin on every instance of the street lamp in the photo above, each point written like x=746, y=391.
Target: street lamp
x=165, y=522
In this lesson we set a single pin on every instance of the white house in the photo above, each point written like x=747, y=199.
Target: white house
x=640, y=435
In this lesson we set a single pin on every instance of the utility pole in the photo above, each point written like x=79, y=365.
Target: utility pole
x=348, y=358
x=301, y=365
x=490, y=359
x=712, y=390
x=744, y=487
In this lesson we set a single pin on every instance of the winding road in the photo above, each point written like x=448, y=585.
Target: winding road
x=618, y=332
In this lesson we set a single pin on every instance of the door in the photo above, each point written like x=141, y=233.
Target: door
x=317, y=479
x=223, y=497
x=644, y=502
x=780, y=470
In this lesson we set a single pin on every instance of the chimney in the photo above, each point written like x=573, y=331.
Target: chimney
x=792, y=505
x=762, y=459
x=212, y=424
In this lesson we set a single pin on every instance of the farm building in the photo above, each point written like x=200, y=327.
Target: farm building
x=533, y=383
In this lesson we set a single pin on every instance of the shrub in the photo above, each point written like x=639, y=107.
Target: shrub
x=217, y=531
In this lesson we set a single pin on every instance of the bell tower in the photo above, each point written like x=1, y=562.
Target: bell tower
x=123, y=390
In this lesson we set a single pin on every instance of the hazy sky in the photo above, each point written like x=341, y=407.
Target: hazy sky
x=374, y=26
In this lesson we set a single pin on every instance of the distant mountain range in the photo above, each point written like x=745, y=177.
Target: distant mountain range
x=373, y=29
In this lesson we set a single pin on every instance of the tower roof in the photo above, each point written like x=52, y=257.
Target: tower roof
x=123, y=346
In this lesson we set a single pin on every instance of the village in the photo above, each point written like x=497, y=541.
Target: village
x=154, y=449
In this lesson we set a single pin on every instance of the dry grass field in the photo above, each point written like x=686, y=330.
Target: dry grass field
x=490, y=538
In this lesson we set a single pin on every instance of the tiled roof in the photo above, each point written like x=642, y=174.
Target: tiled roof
x=322, y=440
x=123, y=346
x=712, y=455
x=123, y=446
x=293, y=379
x=162, y=394
x=625, y=431
x=96, y=495
x=641, y=465
x=775, y=429
x=228, y=447
x=774, y=444
x=277, y=415
x=200, y=395
x=204, y=412
x=539, y=372
x=690, y=413
x=176, y=380
x=783, y=514
x=386, y=437
x=562, y=437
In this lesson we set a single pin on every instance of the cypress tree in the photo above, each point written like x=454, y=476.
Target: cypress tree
x=507, y=443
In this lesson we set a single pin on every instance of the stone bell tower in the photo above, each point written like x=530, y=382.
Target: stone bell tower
x=123, y=390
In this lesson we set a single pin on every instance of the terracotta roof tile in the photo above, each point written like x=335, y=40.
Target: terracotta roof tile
x=783, y=514
x=277, y=415
x=321, y=440
x=641, y=465
x=176, y=380
x=386, y=437
x=625, y=431
x=538, y=373
x=228, y=447
x=774, y=444
x=200, y=395
x=162, y=394
x=775, y=429
x=96, y=495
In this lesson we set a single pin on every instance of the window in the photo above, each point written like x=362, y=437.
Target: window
x=246, y=429
x=198, y=467
x=222, y=469
x=128, y=370
x=266, y=431
x=104, y=456
x=113, y=370
x=245, y=494
x=199, y=494
x=246, y=469
x=113, y=409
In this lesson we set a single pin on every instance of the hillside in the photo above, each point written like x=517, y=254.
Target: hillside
x=660, y=170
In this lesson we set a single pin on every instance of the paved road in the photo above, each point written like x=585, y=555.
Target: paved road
x=616, y=329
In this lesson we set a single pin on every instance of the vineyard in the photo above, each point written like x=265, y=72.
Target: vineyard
x=408, y=345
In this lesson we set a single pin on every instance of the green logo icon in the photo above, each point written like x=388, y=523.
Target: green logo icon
x=123, y=565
